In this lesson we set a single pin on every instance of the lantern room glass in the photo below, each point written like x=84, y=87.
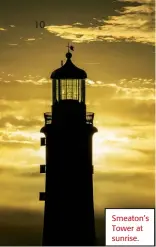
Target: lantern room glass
x=69, y=89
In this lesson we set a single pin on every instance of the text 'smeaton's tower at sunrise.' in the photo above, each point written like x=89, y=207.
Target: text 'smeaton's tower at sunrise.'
x=68, y=196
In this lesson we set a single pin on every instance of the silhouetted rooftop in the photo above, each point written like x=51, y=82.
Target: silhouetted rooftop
x=68, y=70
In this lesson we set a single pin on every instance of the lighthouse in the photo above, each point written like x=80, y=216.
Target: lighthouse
x=68, y=131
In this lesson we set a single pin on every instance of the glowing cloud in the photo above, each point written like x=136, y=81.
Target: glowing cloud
x=133, y=24
x=2, y=29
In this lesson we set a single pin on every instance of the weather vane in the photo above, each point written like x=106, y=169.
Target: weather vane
x=70, y=47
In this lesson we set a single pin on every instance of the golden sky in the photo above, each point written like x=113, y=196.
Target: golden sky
x=114, y=43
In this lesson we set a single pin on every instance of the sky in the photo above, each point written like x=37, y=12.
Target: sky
x=114, y=44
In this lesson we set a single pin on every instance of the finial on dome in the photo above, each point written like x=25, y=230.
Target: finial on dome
x=68, y=46
x=68, y=55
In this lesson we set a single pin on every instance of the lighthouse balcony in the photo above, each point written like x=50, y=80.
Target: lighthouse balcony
x=48, y=118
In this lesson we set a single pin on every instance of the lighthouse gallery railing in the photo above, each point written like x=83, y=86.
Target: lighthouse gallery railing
x=48, y=117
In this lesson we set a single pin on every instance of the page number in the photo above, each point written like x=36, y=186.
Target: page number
x=40, y=24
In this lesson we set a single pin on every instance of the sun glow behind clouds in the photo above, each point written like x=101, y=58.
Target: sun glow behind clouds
x=102, y=142
x=107, y=142
x=99, y=143
x=114, y=149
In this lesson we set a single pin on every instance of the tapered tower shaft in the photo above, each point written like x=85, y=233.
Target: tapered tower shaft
x=69, y=206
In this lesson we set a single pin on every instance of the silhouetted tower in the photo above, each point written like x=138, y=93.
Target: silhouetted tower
x=68, y=196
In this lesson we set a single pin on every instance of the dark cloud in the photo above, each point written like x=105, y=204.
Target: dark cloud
x=132, y=24
x=21, y=226
x=24, y=227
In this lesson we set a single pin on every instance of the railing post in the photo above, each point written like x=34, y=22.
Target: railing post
x=89, y=117
x=48, y=118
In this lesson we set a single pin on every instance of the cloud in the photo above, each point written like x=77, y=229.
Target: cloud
x=138, y=1
x=138, y=9
x=124, y=108
x=30, y=39
x=123, y=98
x=13, y=44
x=78, y=23
x=25, y=90
x=40, y=88
x=12, y=26
x=34, y=81
x=19, y=121
x=137, y=88
x=132, y=24
x=119, y=196
x=2, y=29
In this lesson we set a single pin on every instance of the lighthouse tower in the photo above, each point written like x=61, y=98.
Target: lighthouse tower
x=68, y=196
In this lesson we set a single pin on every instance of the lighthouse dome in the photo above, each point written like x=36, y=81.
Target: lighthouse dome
x=69, y=70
